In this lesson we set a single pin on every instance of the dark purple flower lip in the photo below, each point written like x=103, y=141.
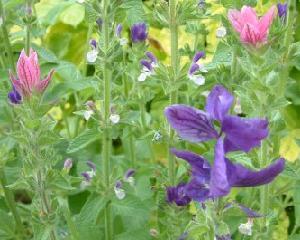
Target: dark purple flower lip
x=129, y=173
x=198, y=55
x=197, y=126
x=139, y=32
x=86, y=176
x=14, y=96
x=177, y=195
x=282, y=10
x=119, y=30
x=91, y=165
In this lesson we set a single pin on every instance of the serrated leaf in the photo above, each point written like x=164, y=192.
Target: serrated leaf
x=85, y=138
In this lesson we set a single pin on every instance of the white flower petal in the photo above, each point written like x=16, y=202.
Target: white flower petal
x=114, y=118
x=91, y=56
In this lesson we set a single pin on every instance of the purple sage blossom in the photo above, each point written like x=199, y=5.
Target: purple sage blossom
x=196, y=69
x=147, y=66
x=196, y=125
x=91, y=165
x=139, y=32
x=223, y=237
x=119, y=29
x=68, y=164
x=282, y=10
x=128, y=176
x=217, y=180
x=178, y=195
x=119, y=191
x=87, y=176
x=14, y=96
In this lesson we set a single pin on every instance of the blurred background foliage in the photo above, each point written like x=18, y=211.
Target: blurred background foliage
x=61, y=34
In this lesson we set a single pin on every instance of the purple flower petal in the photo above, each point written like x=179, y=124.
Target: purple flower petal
x=239, y=176
x=129, y=173
x=91, y=165
x=218, y=102
x=197, y=190
x=200, y=166
x=249, y=212
x=282, y=10
x=177, y=195
x=146, y=64
x=243, y=134
x=119, y=29
x=86, y=176
x=151, y=57
x=194, y=68
x=139, y=32
x=14, y=96
x=219, y=183
x=190, y=123
x=198, y=55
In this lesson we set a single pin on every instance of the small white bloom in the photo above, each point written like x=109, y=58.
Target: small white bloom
x=130, y=180
x=87, y=114
x=114, y=118
x=120, y=193
x=1, y=21
x=205, y=93
x=123, y=41
x=198, y=79
x=221, y=32
x=237, y=107
x=156, y=136
x=144, y=74
x=246, y=228
x=91, y=56
x=91, y=173
x=80, y=1
x=153, y=232
x=84, y=184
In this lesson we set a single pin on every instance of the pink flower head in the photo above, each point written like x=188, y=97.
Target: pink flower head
x=29, y=75
x=252, y=30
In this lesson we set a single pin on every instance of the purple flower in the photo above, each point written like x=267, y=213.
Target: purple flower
x=216, y=181
x=99, y=22
x=178, y=195
x=282, y=10
x=91, y=165
x=196, y=126
x=151, y=57
x=198, y=55
x=129, y=173
x=146, y=64
x=68, y=164
x=87, y=176
x=195, y=70
x=183, y=236
x=93, y=43
x=14, y=96
x=139, y=32
x=119, y=29
x=223, y=237
x=201, y=4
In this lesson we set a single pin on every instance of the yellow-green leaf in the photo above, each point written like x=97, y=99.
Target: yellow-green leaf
x=73, y=15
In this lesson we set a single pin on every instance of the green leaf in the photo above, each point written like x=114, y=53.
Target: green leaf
x=297, y=202
x=7, y=228
x=134, y=10
x=73, y=15
x=140, y=234
x=85, y=138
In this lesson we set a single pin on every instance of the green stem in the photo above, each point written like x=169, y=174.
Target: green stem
x=106, y=152
x=28, y=28
x=88, y=37
x=264, y=190
x=70, y=222
x=9, y=197
x=288, y=38
x=173, y=95
x=125, y=79
x=45, y=203
x=6, y=38
x=234, y=64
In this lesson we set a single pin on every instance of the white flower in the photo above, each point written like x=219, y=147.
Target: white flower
x=120, y=193
x=156, y=136
x=144, y=74
x=237, y=107
x=91, y=56
x=114, y=118
x=130, y=180
x=123, y=41
x=80, y=1
x=87, y=114
x=246, y=228
x=221, y=32
x=1, y=21
x=198, y=79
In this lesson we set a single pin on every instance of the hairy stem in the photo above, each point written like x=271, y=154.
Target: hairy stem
x=288, y=38
x=6, y=38
x=45, y=203
x=28, y=27
x=9, y=198
x=106, y=151
x=173, y=95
